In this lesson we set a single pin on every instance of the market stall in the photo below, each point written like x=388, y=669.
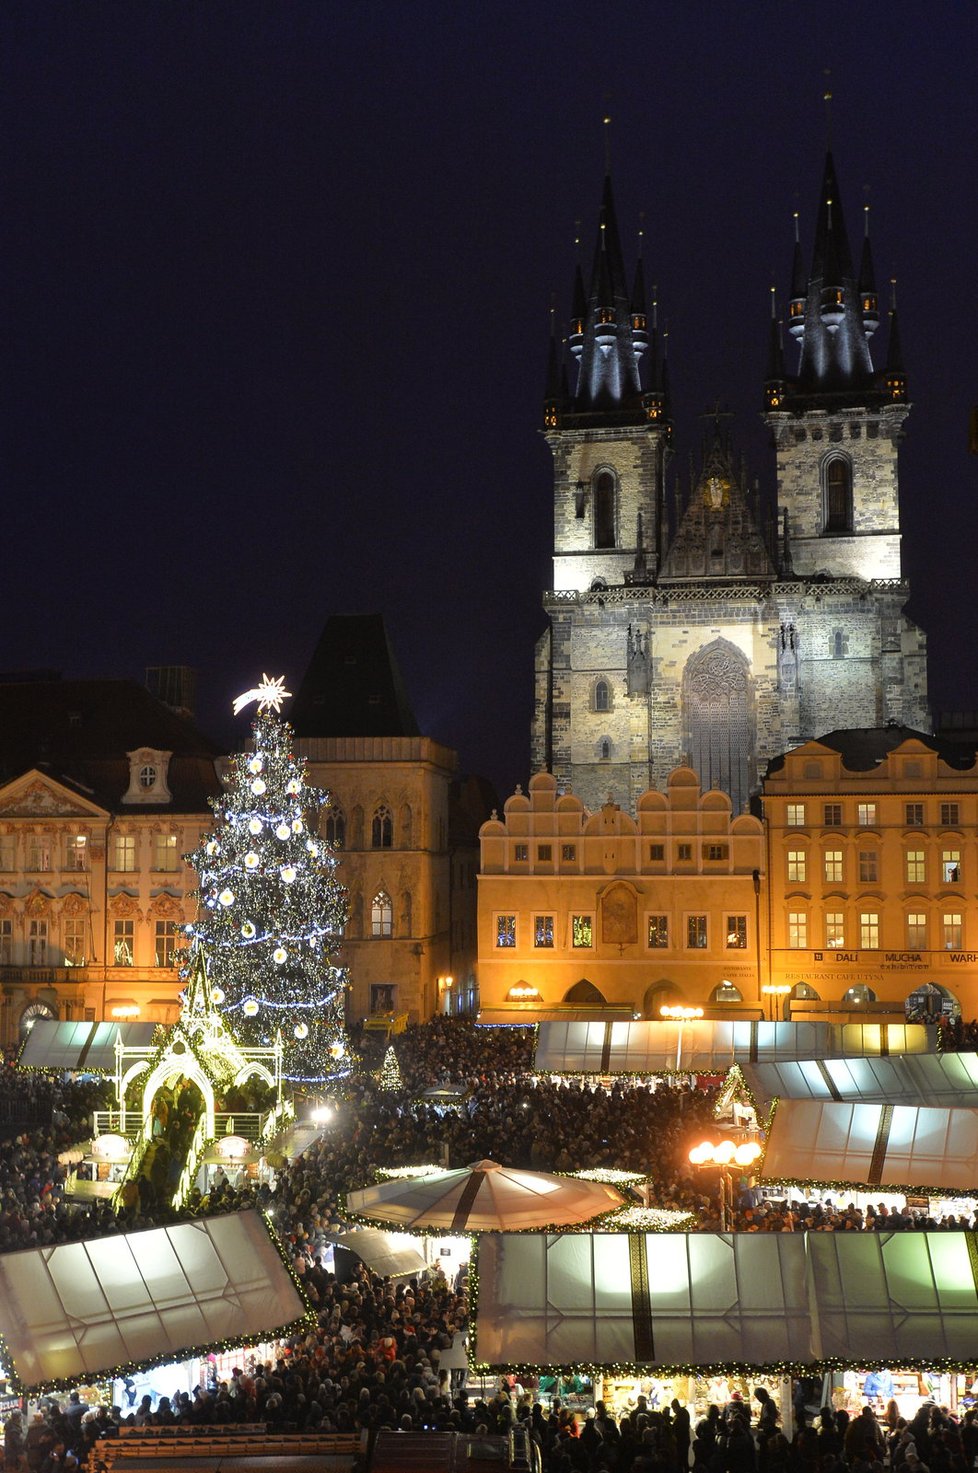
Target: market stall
x=698, y=1046
x=81, y=1048
x=900, y=1079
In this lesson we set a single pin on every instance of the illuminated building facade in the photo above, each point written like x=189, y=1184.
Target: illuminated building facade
x=711, y=630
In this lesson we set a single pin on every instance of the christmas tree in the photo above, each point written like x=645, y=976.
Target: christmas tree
x=389, y=1074
x=271, y=910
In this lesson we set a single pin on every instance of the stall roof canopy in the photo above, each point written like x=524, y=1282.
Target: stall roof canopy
x=388, y=1254
x=904, y=1079
x=871, y=1145
x=677, y=1299
x=81, y=1047
x=77, y=1311
x=703, y=1047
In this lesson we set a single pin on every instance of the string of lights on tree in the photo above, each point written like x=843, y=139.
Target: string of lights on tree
x=271, y=910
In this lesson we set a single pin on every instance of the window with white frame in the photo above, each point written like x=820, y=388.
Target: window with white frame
x=913, y=814
x=124, y=852
x=8, y=852
x=950, y=815
x=697, y=933
x=38, y=853
x=916, y=930
x=167, y=941
x=866, y=815
x=832, y=815
x=123, y=943
x=37, y=943
x=798, y=929
x=381, y=915
x=869, y=930
x=797, y=866
x=869, y=866
x=952, y=931
x=73, y=941
x=166, y=853
x=76, y=852
x=835, y=929
x=543, y=931
x=951, y=866
x=795, y=815
x=916, y=867
x=832, y=866
x=736, y=933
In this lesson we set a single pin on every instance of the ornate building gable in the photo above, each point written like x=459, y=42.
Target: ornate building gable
x=717, y=536
x=36, y=795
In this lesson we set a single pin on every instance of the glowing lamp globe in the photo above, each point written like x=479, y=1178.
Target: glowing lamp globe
x=254, y=826
x=255, y=764
x=301, y=1030
x=249, y=1007
x=248, y=930
x=336, y=1050
x=283, y=831
x=258, y=786
x=217, y=996
x=288, y=873
x=226, y=897
x=280, y=955
x=297, y=825
x=251, y=860
x=293, y=786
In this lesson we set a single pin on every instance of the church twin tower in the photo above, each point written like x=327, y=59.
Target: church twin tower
x=714, y=633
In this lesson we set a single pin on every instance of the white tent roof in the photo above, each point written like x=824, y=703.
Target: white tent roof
x=873, y=1145
x=904, y=1079
x=87, y=1047
x=752, y=1299
x=77, y=1311
x=703, y=1047
x=386, y=1253
x=485, y=1197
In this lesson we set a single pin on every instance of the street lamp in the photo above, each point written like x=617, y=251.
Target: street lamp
x=774, y=990
x=722, y=1156
x=680, y=1015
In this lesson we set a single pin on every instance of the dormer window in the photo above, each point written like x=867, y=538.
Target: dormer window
x=148, y=776
x=148, y=771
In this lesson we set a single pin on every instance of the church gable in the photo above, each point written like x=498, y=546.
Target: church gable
x=717, y=535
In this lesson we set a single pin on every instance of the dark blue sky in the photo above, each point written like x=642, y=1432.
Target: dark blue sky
x=275, y=284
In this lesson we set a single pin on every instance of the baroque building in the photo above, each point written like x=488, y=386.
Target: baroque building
x=713, y=633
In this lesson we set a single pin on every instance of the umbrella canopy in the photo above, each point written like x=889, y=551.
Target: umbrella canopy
x=485, y=1198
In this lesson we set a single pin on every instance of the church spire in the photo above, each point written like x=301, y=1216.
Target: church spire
x=868, y=300
x=894, y=375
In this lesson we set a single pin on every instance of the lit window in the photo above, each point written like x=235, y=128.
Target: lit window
x=521, y=853
x=869, y=930
x=658, y=932
x=832, y=815
x=950, y=815
x=147, y=776
x=568, y=853
x=167, y=941
x=795, y=815
x=951, y=866
x=696, y=933
x=736, y=933
x=76, y=851
x=835, y=928
x=916, y=931
x=124, y=852
x=797, y=865
x=506, y=931
x=914, y=815
x=866, y=815
x=582, y=928
x=165, y=855
x=543, y=931
x=123, y=940
x=916, y=867
x=953, y=931
x=73, y=942
x=381, y=915
x=382, y=828
x=869, y=867
x=37, y=943
x=798, y=929
x=833, y=866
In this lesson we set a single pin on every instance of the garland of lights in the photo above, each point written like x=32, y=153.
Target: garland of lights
x=271, y=909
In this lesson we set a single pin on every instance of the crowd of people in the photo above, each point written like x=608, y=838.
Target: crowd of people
x=374, y=1356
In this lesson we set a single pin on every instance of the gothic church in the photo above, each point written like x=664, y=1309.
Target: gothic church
x=710, y=633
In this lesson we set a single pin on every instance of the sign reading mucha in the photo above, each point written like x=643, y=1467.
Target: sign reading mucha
x=619, y=916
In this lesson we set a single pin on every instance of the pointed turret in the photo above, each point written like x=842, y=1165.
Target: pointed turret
x=774, y=387
x=894, y=374
x=799, y=289
x=869, y=302
x=553, y=398
x=640, y=334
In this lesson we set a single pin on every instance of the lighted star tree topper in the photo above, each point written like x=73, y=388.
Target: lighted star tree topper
x=271, y=910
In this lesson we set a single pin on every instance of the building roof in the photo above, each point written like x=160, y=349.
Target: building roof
x=79, y=732
x=353, y=686
x=863, y=748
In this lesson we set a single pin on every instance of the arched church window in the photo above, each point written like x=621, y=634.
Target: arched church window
x=382, y=830
x=718, y=720
x=604, y=510
x=838, y=494
x=334, y=828
x=602, y=696
x=381, y=915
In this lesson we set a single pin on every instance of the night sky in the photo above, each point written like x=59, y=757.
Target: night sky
x=276, y=279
